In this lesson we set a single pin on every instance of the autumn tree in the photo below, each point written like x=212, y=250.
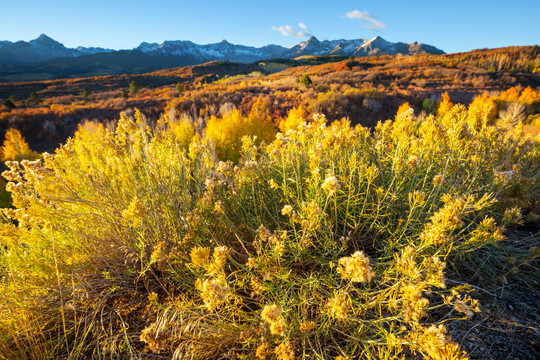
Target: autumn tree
x=444, y=105
x=16, y=148
x=482, y=111
x=294, y=118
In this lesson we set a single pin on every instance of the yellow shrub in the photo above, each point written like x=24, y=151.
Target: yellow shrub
x=183, y=131
x=123, y=239
x=16, y=148
x=295, y=117
x=227, y=132
x=482, y=111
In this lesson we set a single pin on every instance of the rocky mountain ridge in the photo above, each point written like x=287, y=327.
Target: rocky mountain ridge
x=44, y=48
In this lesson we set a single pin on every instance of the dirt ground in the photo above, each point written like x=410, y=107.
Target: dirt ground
x=508, y=327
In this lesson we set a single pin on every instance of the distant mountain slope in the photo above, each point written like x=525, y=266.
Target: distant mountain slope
x=44, y=48
x=227, y=51
x=45, y=58
x=41, y=49
x=114, y=63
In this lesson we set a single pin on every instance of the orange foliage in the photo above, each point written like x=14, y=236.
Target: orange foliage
x=529, y=96
x=445, y=104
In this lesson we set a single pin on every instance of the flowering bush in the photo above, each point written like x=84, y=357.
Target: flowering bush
x=326, y=242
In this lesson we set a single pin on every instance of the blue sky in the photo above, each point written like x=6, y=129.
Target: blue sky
x=453, y=26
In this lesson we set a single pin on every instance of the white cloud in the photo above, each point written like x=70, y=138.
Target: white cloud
x=372, y=22
x=288, y=30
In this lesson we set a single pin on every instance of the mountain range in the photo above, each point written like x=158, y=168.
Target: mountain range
x=41, y=49
x=45, y=59
x=44, y=48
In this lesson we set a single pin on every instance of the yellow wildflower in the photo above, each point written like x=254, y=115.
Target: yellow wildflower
x=218, y=206
x=159, y=254
x=331, y=184
x=278, y=327
x=435, y=342
x=262, y=351
x=434, y=271
x=438, y=179
x=339, y=306
x=251, y=262
x=405, y=263
x=287, y=210
x=218, y=260
x=285, y=351
x=214, y=292
x=413, y=161
x=271, y=313
x=355, y=267
x=307, y=326
x=512, y=216
x=200, y=256
x=413, y=302
x=273, y=184
x=263, y=233
x=257, y=286
x=156, y=336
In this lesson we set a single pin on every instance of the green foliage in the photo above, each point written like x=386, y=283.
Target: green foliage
x=85, y=93
x=326, y=241
x=34, y=98
x=179, y=87
x=429, y=106
x=5, y=196
x=305, y=80
x=9, y=104
x=133, y=88
x=124, y=94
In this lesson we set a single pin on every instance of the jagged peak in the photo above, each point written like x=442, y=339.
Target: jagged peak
x=44, y=38
x=45, y=47
x=376, y=38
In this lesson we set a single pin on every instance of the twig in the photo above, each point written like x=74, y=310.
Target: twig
x=474, y=287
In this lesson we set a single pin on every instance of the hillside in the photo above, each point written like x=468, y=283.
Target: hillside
x=365, y=90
